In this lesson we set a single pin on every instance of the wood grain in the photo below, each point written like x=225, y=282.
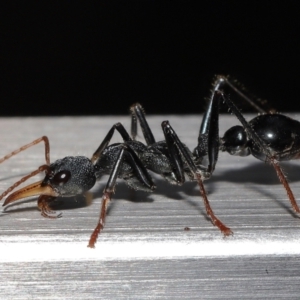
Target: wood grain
x=144, y=251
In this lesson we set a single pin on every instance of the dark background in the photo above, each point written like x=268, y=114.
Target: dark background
x=83, y=58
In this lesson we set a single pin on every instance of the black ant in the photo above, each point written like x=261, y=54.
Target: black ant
x=269, y=137
x=129, y=160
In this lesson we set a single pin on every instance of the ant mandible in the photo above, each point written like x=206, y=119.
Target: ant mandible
x=269, y=137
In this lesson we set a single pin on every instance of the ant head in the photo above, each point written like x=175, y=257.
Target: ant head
x=65, y=177
x=70, y=176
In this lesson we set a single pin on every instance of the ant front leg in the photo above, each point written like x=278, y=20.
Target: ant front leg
x=137, y=114
x=142, y=180
x=123, y=132
x=107, y=194
x=44, y=205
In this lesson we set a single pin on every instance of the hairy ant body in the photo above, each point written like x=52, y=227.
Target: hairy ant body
x=269, y=137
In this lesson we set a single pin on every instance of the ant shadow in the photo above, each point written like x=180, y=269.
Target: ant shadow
x=262, y=174
x=258, y=173
x=122, y=192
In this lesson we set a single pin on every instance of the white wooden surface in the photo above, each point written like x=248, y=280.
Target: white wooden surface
x=144, y=252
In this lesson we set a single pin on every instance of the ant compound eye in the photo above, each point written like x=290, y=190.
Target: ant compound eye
x=61, y=178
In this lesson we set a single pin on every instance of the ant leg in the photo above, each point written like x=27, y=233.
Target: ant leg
x=208, y=139
x=44, y=202
x=222, y=80
x=173, y=141
x=47, y=149
x=140, y=178
x=174, y=153
x=107, y=194
x=286, y=185
x=143, y=181
x=120, y=128
x=137, y=113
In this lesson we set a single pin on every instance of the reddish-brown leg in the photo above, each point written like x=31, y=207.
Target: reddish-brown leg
x=44, y=206
x=105, y=201
x=109, y=190
x=286, y=185
x=224, y=229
